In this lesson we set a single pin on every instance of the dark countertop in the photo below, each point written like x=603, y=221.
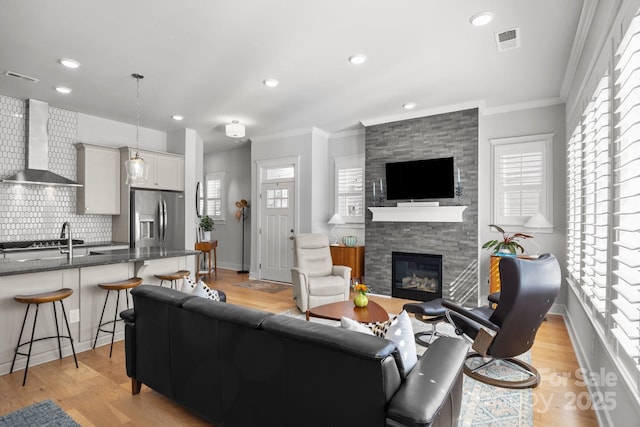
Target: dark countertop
x=10, y=267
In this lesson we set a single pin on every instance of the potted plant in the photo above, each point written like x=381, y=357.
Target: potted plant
x=509, y=245
x=206, y=225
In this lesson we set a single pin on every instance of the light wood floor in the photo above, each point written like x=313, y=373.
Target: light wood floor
x=99, y=392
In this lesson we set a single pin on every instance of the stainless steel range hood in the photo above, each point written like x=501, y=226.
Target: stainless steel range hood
x=37, y=151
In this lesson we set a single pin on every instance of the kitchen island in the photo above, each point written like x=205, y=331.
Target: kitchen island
x=82, y=274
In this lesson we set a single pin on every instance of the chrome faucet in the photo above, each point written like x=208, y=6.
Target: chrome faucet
x=67, y=227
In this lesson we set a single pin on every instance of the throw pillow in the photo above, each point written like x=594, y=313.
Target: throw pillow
x=199, y=289
x=188, y=285
x=352, y=325
x=401, y=332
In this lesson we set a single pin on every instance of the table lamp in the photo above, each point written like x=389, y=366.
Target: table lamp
x=537, y=221
x=335, y=220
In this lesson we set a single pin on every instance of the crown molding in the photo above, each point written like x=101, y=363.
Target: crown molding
x=582, y=31
x=480, y=104
x=538, y=103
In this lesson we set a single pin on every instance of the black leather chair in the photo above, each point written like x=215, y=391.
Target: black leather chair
x=529, y=288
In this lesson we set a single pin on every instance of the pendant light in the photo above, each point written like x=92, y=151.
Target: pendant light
x=136, y=167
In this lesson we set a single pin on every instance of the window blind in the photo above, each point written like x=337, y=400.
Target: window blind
x=596, y=184
x=520, y=181
x=625, y=293
x=350, y=192
x=214, y=196
x=574, y=203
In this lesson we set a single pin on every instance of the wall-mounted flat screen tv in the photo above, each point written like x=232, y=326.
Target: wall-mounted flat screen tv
x=420, y=179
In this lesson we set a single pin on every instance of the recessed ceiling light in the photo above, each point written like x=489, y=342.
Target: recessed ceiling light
x=177, y=117
x=357, y=59
x=270, y=82
x=63, y=89
x=409, y=105
x=69, y=63
x=481, y=18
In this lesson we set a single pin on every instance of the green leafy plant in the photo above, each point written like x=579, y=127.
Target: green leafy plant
x=510, y=243
x=206, y=223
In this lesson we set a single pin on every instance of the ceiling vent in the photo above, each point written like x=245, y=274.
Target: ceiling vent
x=21, y=76
x=508, y=40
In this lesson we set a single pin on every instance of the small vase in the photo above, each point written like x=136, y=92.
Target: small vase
x=361, y=300
x=207, y=236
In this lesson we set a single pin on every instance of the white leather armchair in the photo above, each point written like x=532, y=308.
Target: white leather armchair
x=316, y=281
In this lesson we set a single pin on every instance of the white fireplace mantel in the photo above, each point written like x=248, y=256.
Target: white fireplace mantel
x=418, y=214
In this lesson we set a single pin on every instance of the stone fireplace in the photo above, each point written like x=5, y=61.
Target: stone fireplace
x=454, y=135
x=416, y=276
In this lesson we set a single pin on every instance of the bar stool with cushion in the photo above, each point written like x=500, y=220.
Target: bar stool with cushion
x=430, y=312
x=173, y=278
x=38, y=299
x=114, y=286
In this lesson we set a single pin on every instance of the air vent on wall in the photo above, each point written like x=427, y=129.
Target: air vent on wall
x=507, y=40
x=21, y=76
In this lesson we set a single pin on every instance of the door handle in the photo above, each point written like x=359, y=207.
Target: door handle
x=166, y=220
x=291, y=237
x=160, y=220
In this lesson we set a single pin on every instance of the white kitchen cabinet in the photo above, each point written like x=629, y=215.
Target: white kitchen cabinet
x=99, y=173
x=166, y=170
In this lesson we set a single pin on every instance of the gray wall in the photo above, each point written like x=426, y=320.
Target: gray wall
x=443, y=135
x=549, y=119
x=237, y=165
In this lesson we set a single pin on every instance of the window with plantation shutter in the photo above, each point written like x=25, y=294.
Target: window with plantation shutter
x=349, y=188
x=625, y=293
x=574, y=203
x=214, y=192
x=596, y=184
x=522, y=178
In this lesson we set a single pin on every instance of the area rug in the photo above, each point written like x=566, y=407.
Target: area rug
x=482, y=405
x=261, y=285
x=42, y=414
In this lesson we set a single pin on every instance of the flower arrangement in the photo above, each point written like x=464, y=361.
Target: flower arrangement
x=509, y=244
x=361, y=288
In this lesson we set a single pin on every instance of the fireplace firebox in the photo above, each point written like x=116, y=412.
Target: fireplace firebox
x=416, y=276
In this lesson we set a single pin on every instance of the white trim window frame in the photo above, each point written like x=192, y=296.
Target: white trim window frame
x=349, y=188
x=214, y=196
x=522, y=179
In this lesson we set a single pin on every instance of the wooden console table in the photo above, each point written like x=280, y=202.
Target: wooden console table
x=205, y=249
x=351, y=256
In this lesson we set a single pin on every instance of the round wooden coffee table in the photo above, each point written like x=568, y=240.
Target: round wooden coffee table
x=370, y=314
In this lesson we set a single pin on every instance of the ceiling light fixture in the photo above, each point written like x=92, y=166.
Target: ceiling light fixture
x=270, y=82
x=63, y=89
x=177, y=117
x=136, y=167
x=481, y=18
x=234, y=130
x=409, y=105
x=69, y=63
x=357, y=59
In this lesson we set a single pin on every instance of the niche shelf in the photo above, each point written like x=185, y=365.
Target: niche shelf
x=418, y=214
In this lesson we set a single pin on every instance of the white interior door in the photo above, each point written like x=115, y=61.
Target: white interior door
x=277, y=230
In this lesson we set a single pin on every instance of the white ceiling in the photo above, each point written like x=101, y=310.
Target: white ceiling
x=206, y=59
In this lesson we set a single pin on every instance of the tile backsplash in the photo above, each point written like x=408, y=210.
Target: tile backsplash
x=34, y=212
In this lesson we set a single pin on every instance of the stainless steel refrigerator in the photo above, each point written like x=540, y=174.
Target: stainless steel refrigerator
x=157, y=219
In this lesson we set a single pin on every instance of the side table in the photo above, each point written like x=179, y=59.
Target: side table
x=205, y=249
x=351, y=256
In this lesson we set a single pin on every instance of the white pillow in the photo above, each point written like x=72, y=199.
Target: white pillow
x=398, y=329
x=199, y=289
x=188, y=285
x=401, y=333
x=352, y=325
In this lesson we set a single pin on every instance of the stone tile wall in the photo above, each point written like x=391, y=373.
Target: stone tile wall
x=444, y=135
x=34, y=212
